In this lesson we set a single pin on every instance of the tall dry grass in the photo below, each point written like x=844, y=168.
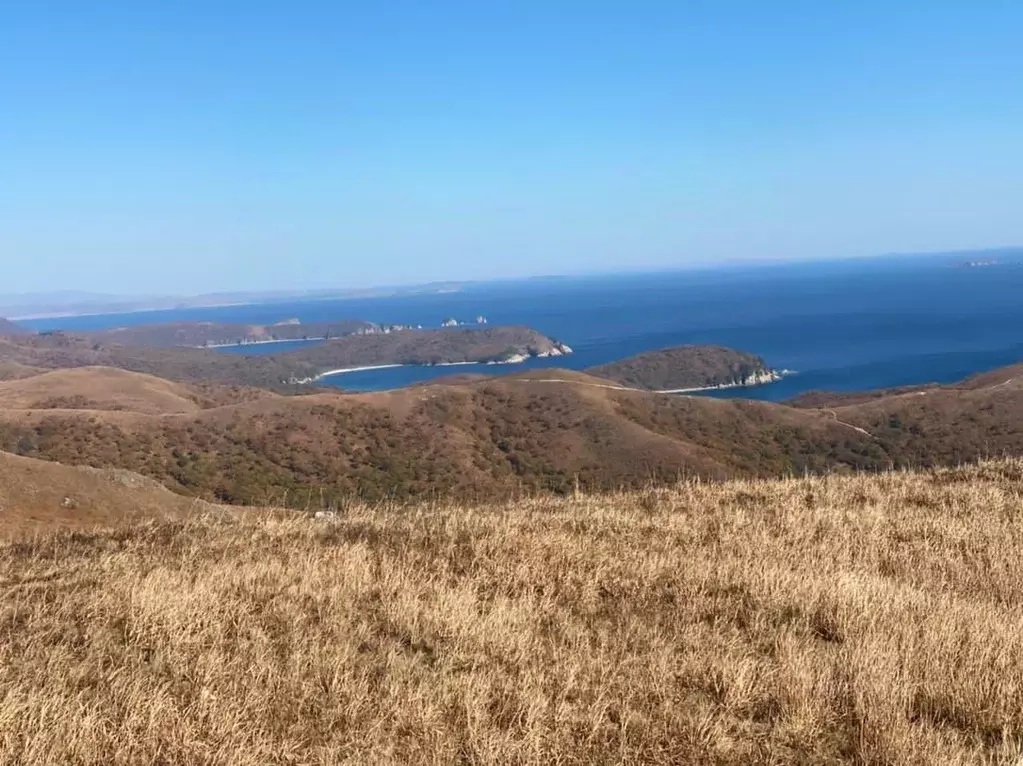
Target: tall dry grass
x=841, y=620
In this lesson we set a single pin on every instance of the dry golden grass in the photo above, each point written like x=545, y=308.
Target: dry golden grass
x=843, y=620
x=98, y=388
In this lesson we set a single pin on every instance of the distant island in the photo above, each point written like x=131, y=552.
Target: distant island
x=689, y=368
x=493, y=345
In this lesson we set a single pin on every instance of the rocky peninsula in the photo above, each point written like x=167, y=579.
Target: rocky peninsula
x=683, y=369
x=287, y=369
x=492, y=345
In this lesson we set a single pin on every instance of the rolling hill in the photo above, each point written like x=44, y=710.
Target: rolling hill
x=38, y=495
x=495, y=438
x=934, y=425
x=499, y=437
x=98, y=388
x=9, y=328
x=15, y=370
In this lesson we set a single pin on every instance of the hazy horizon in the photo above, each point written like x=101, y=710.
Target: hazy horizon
x=197, y=147
x=197, y=291
x=82, y=299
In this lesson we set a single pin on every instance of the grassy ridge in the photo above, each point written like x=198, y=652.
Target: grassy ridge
x=830, y=620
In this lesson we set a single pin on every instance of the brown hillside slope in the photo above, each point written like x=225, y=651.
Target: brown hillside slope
x=822, y=399
x=98, y=388
x=15, y=370
x=37, y=495
x=860, y=620
x=493, y=438
x=542, y=431
x=60, y=351
x=9, y=328
x=980, y=417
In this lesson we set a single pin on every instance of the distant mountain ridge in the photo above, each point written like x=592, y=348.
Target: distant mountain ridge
x=65, y=303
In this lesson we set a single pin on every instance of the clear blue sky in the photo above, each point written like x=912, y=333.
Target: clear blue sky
x=204, y=145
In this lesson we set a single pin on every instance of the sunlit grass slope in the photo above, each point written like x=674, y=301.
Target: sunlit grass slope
x=845, y=620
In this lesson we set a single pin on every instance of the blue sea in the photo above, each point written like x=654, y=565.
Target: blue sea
x=843, y=326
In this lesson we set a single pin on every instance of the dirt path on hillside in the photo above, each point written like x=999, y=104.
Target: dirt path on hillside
x=834, y=416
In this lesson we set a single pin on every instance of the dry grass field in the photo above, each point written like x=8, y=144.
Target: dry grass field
x=40, y=497
x=874, y=620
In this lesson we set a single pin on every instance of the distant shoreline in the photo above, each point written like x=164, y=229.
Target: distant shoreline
x=259, y=343
x=777, y=375
x=345, y=370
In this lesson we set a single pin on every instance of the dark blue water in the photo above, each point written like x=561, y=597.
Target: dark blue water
x=842, y=326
